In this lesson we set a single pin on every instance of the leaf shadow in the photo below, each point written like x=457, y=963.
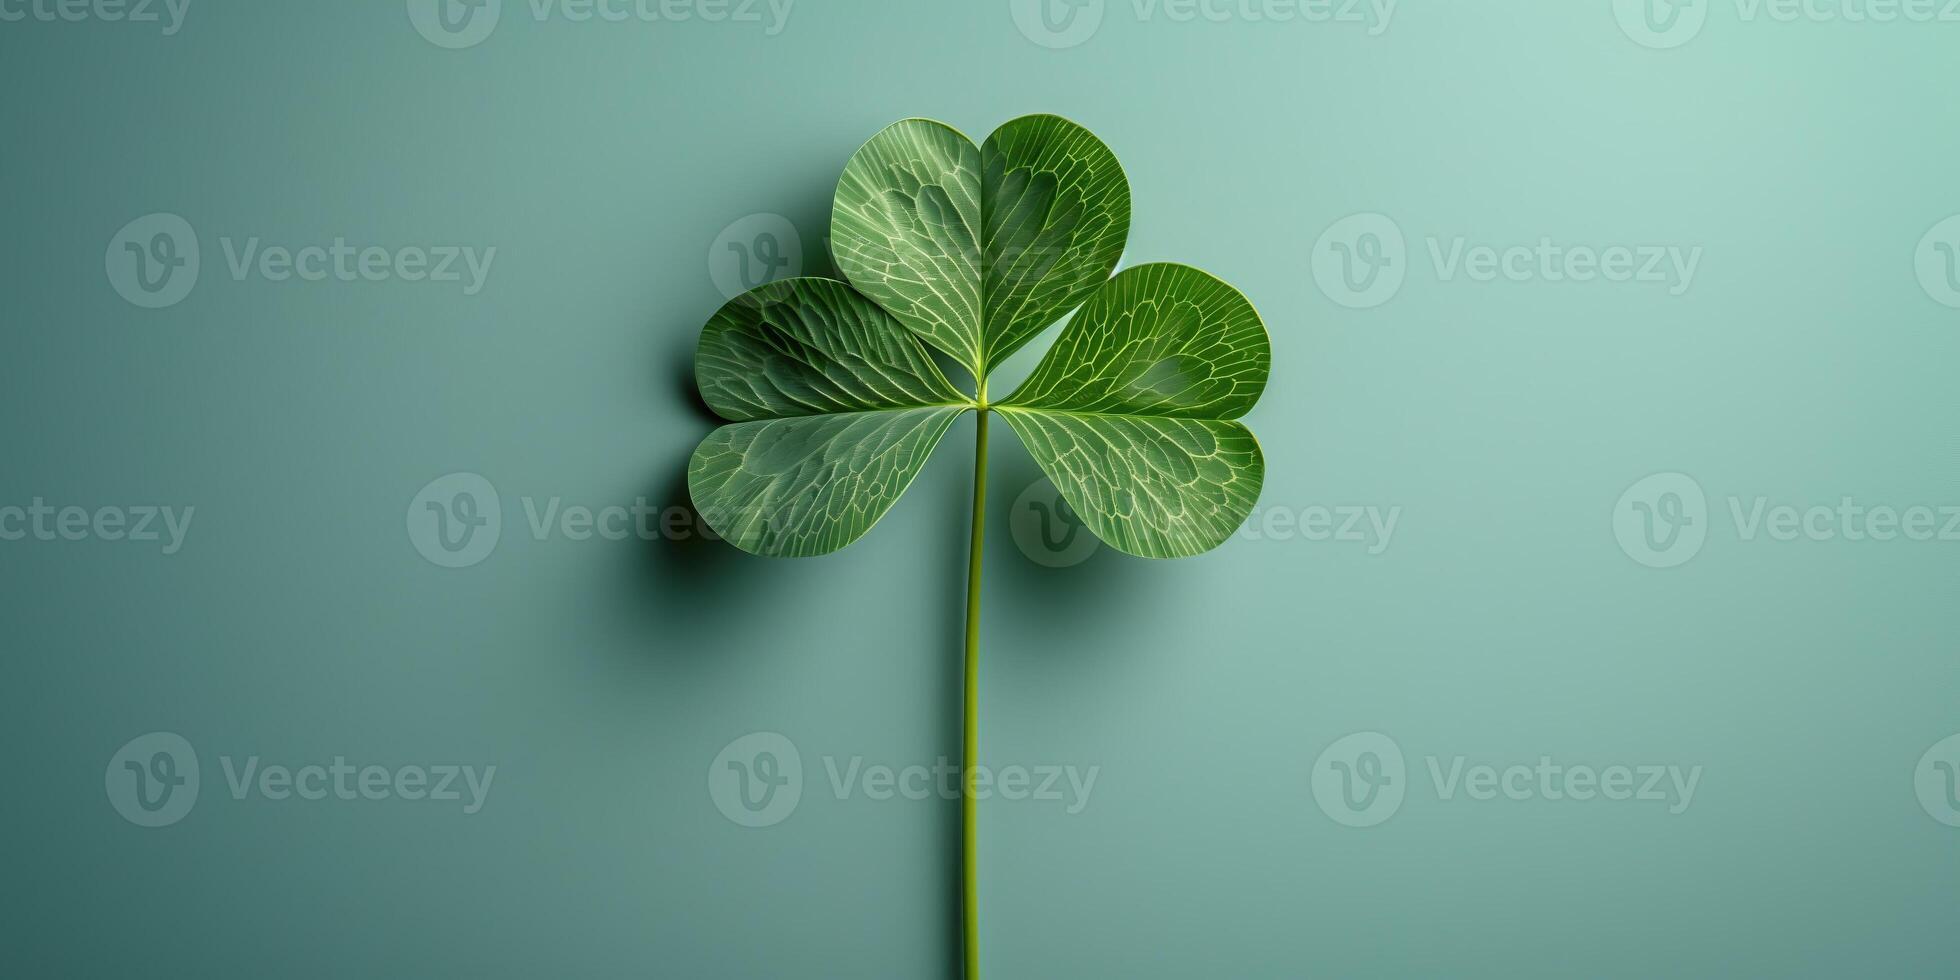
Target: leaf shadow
x=1064, y=608
x=703, y=578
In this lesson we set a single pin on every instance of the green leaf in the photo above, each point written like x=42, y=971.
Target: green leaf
x=1056, y=209
x=809, y=485
x=979, y=250
x=1130, y=412
x=812, y=347
x=1160, y=339
x=836, y=408
x=1150, y=487
x=905, y=226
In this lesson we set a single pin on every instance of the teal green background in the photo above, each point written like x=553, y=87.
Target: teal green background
x=1503, y=621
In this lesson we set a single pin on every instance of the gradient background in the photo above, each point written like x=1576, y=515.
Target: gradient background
x=1502, y=623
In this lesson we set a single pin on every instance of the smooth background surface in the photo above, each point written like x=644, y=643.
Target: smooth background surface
x=1502, y=623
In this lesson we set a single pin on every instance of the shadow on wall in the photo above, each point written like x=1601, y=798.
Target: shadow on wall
x=702, y=578
x=1065, y=595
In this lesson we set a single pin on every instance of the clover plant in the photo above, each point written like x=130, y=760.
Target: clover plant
x=834, y=401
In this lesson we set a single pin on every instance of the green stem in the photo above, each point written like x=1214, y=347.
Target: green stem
x=970, y=753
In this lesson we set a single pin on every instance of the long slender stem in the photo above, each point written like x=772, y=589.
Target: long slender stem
x=970, y=751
